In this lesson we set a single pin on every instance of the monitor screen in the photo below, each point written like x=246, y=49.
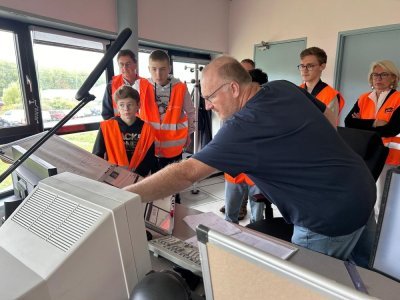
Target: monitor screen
x=74, y=238
x=385, y=257
x=29, y=173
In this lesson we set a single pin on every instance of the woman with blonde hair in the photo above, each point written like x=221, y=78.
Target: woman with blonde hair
x=378, y=110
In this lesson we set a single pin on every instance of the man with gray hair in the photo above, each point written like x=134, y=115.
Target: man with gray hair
x=279, y=136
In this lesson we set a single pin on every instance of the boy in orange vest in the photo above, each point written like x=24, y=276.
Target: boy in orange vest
x=126, y=140
x=167, y=106
x=312, y=63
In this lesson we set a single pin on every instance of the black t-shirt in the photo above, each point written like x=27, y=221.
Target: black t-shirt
x=288, y=148
x=130, y=136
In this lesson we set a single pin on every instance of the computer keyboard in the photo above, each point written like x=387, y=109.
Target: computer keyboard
x=179, y=252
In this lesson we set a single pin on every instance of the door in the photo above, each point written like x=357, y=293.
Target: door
x=357, y=50
x=280, y=59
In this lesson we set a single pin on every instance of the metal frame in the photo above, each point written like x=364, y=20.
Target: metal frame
x=284, y=268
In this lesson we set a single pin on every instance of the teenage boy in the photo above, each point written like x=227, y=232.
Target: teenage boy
x=127, y=64
x=312, y=63
x=167, y=106
x=126, y=140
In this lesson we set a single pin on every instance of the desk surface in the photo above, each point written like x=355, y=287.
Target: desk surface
x=376, y=284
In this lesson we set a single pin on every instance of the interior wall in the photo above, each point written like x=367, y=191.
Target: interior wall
x=190, y=23
x=253, y=21
x=98, y=14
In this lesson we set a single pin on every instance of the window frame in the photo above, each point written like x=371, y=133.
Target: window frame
x=28, y=80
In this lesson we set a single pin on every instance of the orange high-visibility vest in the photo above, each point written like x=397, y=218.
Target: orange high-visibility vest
x=172, y=132
x=239, y=179
x=116, y=82
x=368, y=111
x=115, y=147
x=327, y=94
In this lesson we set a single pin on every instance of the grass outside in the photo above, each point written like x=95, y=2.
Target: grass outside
x=84, y=140
x=7, y=183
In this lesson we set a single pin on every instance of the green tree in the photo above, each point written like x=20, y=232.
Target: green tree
x=12, y=96
x=8, y=74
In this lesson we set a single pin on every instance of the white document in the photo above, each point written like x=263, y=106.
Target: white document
x=217, y=223
x=213, y=221
x=67, y=157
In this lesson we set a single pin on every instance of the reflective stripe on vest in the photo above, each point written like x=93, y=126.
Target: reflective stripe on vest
x=367, y=108
x=158, y=126
x=172, y=132
x=328, y=94
x=115, y=147
x=173, y=143
x=394, y=142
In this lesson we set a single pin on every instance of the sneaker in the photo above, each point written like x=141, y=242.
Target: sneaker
x=222, y=209
x=242, y=212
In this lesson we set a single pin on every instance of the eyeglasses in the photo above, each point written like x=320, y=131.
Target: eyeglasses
x=309, y=67
x=125, y=106
x=213, y=94
x=124, y=65
x=383, y=75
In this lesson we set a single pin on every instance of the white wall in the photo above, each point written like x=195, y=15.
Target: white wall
x=191, y=23
x=251, y=21
x=99, y=14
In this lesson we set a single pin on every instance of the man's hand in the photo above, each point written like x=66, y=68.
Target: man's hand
x=355, y=115
x=378, y=123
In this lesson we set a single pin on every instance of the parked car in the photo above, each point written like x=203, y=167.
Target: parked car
x=57, y=115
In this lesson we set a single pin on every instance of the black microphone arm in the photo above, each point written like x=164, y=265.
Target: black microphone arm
x=82, y=95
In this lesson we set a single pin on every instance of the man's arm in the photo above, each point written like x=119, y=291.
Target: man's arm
x=333, y=106
x=170, y=180
x=332, y=118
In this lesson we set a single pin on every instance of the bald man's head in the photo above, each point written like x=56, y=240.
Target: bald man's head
x=226, y=68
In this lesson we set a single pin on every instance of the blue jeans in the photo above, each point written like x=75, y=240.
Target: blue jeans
x=234, y=196
x=337, y=246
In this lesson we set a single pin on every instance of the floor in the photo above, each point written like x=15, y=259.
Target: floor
x=210, y=197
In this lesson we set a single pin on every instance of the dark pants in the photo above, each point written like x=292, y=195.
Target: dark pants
x=163, y=162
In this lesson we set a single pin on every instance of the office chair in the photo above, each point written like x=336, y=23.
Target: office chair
x=365, y=143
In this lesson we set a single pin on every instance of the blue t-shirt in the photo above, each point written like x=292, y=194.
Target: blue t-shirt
x=283, y=142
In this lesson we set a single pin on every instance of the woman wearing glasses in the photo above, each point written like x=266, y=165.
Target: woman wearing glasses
x=378, y=110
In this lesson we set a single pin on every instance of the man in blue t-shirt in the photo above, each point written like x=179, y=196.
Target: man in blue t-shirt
x=285, y=141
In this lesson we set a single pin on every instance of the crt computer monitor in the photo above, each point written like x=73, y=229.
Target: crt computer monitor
x=29, y=173
x=74, y=238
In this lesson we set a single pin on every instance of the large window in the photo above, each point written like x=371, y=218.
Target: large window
x=63, y=62
x=12, y=108
x=42, y=68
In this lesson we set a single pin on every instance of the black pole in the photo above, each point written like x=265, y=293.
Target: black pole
x=82, y=95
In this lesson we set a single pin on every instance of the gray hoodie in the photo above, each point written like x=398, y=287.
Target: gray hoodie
x=163, y=93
